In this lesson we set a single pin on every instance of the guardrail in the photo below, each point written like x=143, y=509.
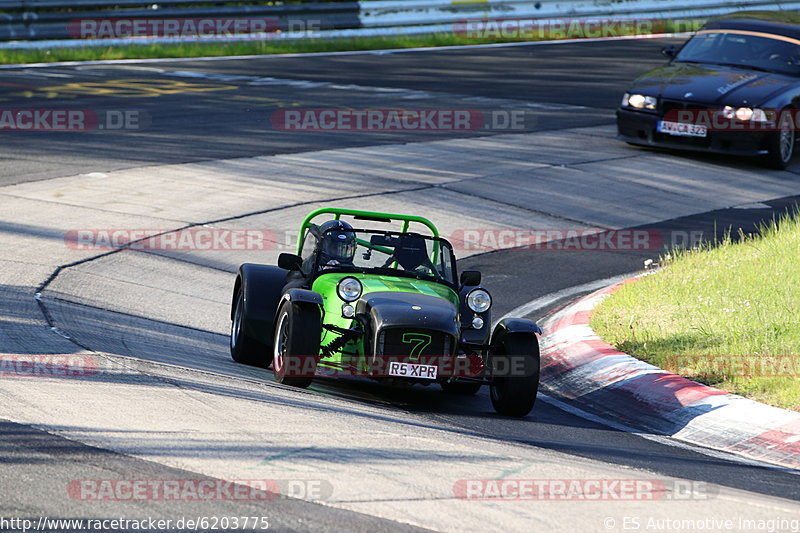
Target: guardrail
x=393, y=13
x=54, y=20
x=51, y=19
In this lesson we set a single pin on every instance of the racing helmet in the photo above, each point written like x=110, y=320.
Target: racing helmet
x=338, y=242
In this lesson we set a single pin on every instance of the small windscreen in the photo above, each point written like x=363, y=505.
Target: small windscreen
x=388, y=252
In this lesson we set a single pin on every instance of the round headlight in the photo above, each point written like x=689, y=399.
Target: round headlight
x=636, y=100
x=349, y=289
x=479, y=300
x=729, y=112
x=640, y=101
x=744, y=113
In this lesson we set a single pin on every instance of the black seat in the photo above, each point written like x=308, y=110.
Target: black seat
x=411, y=252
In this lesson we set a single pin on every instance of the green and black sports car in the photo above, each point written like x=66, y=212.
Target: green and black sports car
x=381, y=303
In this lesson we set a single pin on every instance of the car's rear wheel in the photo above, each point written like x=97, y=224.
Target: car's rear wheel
x=782, y=145
x=296, y=345
x=515, y=375
x=464, y=388
x=245, y=349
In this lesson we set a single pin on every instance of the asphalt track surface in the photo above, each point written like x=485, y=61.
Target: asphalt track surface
x=224, y=117
x=202, y=111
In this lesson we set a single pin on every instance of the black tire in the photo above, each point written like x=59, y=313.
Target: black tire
x=296, y=344
x=782, y=145
x=462, y=388
x=515, y=394
x=245, y=349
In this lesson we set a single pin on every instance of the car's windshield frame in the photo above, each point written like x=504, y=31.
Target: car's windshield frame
x=444, y=247
x=790, y=67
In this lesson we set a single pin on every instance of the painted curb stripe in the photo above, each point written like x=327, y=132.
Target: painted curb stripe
x=579, y=366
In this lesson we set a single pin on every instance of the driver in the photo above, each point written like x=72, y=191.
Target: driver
x=338, y=244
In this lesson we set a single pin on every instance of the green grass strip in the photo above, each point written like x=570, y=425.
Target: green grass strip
x=264, y=47
x=727, y=316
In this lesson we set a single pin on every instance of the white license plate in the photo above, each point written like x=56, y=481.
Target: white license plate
x=680, y=129
x=411, y=370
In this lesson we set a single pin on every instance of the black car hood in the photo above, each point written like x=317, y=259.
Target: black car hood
x=712, y=84
x=398, y=309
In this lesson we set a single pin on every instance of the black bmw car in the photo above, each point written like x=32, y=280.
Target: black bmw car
x=733, y=88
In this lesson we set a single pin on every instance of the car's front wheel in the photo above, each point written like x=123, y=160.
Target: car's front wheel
x=515, y=375
x=782, y=145
x=296, y=345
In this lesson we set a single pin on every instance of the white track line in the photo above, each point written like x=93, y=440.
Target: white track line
x=547, y=300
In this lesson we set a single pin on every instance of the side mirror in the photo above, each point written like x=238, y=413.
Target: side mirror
x=290, y=262
x=669, y=52
x=470, y=278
